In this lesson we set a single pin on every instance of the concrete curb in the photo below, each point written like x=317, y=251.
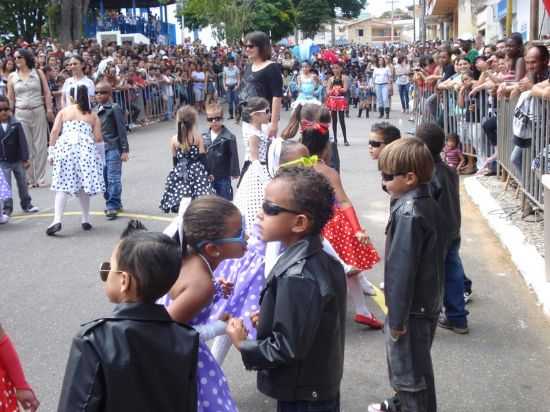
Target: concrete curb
x=525, y=256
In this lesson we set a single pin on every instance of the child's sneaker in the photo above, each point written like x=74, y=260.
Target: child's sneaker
x=4, y=218
x=389, y=405
x=467, y=297
x=31, y=209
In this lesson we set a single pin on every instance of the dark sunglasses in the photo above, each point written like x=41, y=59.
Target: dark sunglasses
x=271, y=209
x=250, y=46
x=4, y=109
x=104, y=270
x=101, y=92
x=375, y=143
x=214, y=119
x=386, y=177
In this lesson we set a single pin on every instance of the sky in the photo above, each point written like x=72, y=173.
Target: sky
x=376, y=7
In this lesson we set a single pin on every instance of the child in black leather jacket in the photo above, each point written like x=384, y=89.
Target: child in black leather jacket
x=299, y=350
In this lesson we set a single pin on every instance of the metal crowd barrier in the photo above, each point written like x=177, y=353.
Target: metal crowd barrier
x=152, y=103
x=527, y=170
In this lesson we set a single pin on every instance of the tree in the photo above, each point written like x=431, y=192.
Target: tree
x=68, y=18
x=275, y=17
x=23, y=18
x=311, y=15
x=349, y=9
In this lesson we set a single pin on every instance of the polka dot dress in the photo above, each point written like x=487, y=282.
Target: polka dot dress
x=5, y=192
x=339, y=233
x=212, y=386
x=76, y=166
x=8, y=401
x=189, y=178
x=248, y=277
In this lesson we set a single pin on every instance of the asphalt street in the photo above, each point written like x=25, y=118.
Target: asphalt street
x=51, y=285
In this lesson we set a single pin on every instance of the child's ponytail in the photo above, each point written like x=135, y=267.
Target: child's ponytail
x=293, y=124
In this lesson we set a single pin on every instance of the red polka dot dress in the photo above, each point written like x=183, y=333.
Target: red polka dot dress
x=8, y=401
x=339, y=233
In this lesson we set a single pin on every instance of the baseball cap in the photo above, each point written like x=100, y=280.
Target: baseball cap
x=466, y=37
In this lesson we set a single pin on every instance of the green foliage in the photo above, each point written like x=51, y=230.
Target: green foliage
x=311, y=15
x=22, y=18
x=348, y=8
x=275, y=17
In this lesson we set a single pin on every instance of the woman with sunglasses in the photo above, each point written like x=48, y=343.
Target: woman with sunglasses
x=262, y=78
x=30, y=96
x=210, y=231
x=76, y=67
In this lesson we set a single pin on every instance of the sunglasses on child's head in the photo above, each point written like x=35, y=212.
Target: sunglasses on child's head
x=240, y=238
x=387, y=177
x=105, y=269
x=272, y=209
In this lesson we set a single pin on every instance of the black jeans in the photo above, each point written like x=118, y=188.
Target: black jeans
x=309, y=406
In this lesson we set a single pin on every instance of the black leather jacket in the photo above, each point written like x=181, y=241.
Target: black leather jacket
x=299, y=351
x=113, y=127
x=413, y=270
x=137, y=360
x=222, y=156
x=445, y=187
x=13, y=144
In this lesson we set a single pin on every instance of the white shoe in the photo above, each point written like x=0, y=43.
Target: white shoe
x=4, y=219
x=382, y=285
x=368, y=288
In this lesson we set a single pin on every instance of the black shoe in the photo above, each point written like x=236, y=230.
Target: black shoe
x=346, y=143
x=86, y=226
x=446, y=324
x=111, y=214
x=53, y=229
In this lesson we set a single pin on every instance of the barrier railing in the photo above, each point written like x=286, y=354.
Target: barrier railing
x=475, y=118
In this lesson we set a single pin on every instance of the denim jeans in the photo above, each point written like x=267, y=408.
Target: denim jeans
x=21, y=179
x=169, y=107
x=232, y=100
x=223, y=187
x=517, y=159
x=112, y=172
x=404, y=96
x=455, y=307
x=309, y=406
x=382, y=96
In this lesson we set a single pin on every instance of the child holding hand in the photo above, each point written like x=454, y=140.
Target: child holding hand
x=299, y=349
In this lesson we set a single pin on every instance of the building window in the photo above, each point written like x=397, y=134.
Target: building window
x=360, y=32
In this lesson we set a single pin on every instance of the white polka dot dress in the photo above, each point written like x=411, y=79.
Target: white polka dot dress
x=189, y=178
x=76, y=166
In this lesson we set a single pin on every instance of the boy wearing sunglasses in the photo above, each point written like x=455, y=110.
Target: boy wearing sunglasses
x=112, y=358
x=299, y=348
x=113, y=128
x=381, y=135
x=221, y=153
x=413, y=275
x=14, y=158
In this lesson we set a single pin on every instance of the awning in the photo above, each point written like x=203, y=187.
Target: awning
x=439, y=7
x=125, y=4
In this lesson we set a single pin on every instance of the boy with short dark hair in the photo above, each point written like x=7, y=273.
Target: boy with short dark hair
x=221, y=152
x=413, y=276
x=128, y=361
x=381, y=135
x=445, y=188
x=14, y=158
x=113, y=128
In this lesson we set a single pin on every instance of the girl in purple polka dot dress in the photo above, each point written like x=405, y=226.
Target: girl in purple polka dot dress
x=210, y=231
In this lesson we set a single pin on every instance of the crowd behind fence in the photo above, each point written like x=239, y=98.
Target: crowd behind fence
x=486, y=128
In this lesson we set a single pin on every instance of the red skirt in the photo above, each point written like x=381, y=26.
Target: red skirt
x=337, y=103
x=8, y=401
x=339, y=233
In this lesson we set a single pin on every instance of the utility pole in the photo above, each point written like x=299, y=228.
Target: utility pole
x=509, y=12
x=422, y=21
x=414, y=21
x=391, y=34
x=534, y=17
